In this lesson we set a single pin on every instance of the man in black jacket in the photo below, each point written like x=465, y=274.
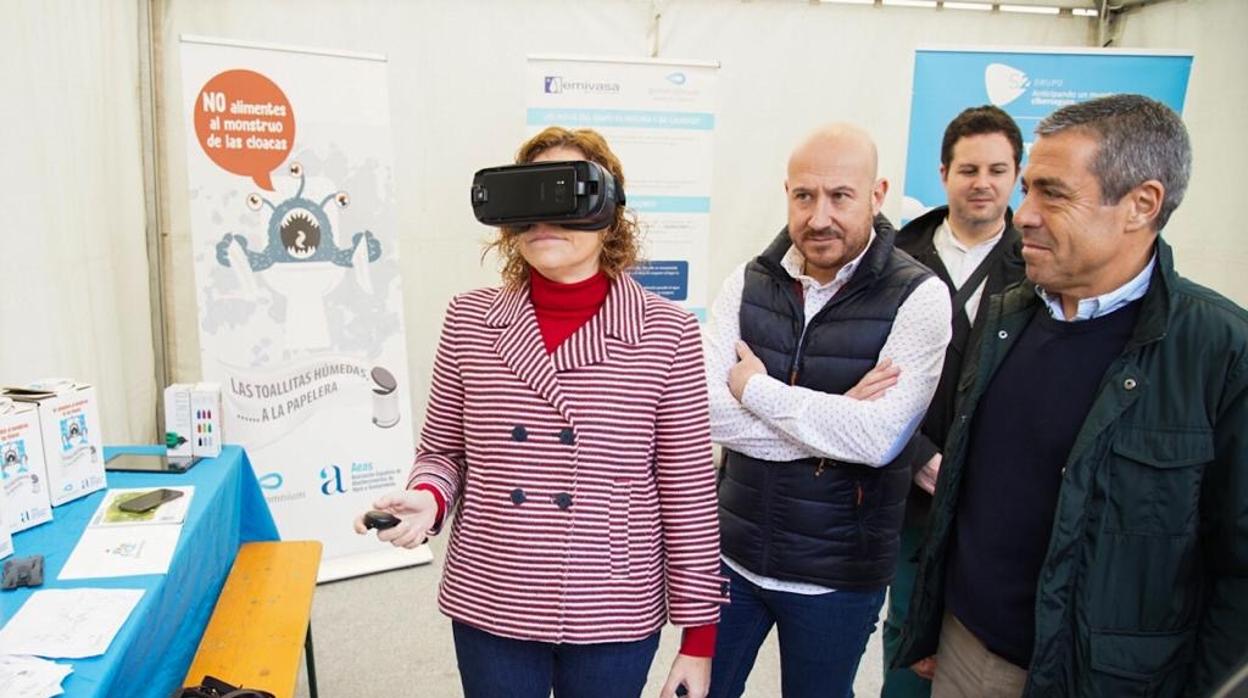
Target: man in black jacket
x=973, y=247
x=1089, y=534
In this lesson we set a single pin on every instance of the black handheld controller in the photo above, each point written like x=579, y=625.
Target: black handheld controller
x=380, y=520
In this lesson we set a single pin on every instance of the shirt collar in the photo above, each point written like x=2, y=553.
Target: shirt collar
x=793, y=262
x=944, y=236
x=1103, y=304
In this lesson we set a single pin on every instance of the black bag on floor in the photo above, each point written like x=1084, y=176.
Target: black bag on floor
x=212, y=687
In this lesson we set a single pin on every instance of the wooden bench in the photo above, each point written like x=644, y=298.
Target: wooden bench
x=262, y=620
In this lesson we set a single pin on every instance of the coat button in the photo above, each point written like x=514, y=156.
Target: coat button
x=723, y=588
x=563, y=500
x=519, y=433
x=1003, y=334
x=566, y=436
x=518, y=496
x=1129, y=384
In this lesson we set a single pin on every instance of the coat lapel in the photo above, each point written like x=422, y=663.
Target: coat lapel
x=520, y=346
x=620, y=318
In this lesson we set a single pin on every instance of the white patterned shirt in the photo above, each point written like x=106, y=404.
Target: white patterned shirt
x=779, y=422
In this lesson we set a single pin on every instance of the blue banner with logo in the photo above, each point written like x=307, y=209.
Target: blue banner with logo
x=1028, y=85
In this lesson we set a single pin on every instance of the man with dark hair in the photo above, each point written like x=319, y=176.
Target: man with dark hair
x=971, y=245
x=815, y=472
x=1089, y=534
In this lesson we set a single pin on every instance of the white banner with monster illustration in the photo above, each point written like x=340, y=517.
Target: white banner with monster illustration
x=297, y=278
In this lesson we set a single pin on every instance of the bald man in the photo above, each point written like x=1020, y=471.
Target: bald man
x=822, y=355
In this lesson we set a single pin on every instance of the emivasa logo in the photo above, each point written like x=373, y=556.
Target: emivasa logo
x=557, y=84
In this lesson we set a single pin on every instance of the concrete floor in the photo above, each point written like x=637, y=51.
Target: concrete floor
x=382, y=635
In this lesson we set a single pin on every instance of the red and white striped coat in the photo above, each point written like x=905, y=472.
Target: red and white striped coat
x=582, y=480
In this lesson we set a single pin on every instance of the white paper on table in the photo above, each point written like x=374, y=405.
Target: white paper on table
x=6, y=538
x=122, y=551
x=171, y=512
x=31, y=677
x=68, y=622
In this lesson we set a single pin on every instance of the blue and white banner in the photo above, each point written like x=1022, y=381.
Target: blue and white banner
x=659, y=119
x=1028, y=85
x=295, y=246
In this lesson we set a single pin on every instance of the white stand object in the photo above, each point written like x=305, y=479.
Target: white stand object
x=360, y=564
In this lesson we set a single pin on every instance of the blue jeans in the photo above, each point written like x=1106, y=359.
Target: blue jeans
x=822, y=638
x=491, y=666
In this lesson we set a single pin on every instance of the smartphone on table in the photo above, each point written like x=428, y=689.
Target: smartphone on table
x=149, y=500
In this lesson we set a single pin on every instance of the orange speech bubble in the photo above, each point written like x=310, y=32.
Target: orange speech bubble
x=245, y=124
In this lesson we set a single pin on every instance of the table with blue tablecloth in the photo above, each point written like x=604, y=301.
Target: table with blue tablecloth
x=151, y=653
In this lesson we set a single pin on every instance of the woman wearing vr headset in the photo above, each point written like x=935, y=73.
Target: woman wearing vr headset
x=568, y=429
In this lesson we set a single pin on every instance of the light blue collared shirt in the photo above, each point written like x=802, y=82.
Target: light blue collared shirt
x=1103, y=304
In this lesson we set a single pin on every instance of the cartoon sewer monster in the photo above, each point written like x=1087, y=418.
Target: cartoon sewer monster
x=300, y=262
x=74, y=440
x=299, y=231
x=13, y=461
x=74, y=433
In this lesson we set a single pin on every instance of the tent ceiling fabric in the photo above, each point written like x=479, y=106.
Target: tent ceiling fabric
x=1080, y=4
x=1113, y=5
x=73, y=253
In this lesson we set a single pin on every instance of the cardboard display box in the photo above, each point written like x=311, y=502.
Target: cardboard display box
x=73, y=448
x=25, y=502
x=179, y=431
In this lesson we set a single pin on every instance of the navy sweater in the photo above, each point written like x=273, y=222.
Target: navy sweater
x=1025, y=425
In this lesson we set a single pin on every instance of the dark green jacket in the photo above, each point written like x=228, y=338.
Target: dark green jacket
x=1144, y=589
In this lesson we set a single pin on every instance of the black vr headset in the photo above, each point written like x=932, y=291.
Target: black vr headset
x=577, y=194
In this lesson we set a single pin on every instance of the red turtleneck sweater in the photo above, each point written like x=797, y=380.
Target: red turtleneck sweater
x=561, y=310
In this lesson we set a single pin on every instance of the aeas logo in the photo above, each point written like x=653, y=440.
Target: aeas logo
x=331, y=481
x=1004, y=83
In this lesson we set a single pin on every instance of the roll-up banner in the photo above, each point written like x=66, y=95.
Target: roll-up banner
x=658, y=116
x=293, y=227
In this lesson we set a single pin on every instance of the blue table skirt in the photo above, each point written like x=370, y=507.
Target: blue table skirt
x=151, y=653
